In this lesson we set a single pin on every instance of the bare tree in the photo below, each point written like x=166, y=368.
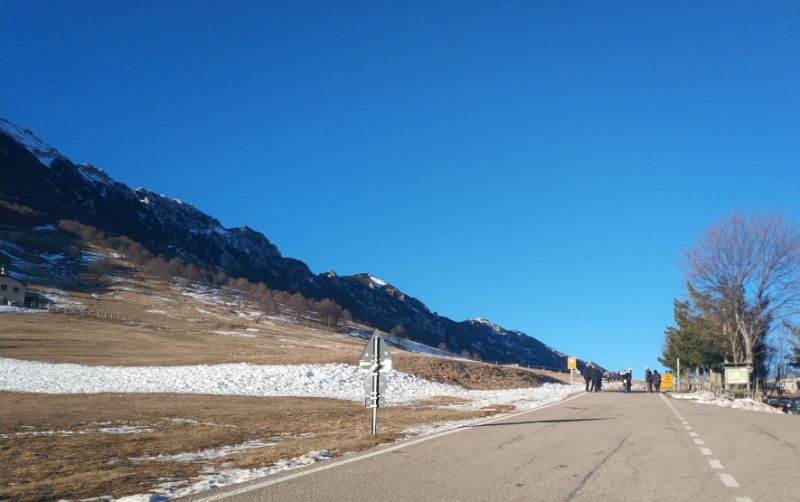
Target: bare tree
x=399, y=331
x=744, y=272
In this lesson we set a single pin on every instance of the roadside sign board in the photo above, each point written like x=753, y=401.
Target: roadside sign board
x=737, y=375
x=666, y=381
x=572, y=363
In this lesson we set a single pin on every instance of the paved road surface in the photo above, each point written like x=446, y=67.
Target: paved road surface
x=593, y=447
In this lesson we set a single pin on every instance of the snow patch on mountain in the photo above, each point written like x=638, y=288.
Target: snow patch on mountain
x=486, y=322
x=44, y=152
x=94, y=175
x=377, y=282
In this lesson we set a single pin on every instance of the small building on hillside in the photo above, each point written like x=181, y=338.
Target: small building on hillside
x=12, y=291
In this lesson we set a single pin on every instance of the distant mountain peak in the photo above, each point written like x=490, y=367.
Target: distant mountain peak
x=172, y=228
x=370, y=280
x=25, y=137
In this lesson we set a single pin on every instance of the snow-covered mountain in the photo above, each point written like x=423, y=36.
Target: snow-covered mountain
x=38, y=185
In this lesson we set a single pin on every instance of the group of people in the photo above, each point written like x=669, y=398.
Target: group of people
x=653, y=380
x=593, y=377
x=623, y=376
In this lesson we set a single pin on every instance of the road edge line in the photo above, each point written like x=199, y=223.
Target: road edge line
x=370, y=454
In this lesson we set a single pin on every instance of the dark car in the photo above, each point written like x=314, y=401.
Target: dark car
x=792, y=406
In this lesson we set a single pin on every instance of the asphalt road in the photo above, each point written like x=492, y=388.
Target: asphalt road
x=593, y=447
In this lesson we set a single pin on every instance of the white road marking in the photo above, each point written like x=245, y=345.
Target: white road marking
x=325, y=467
x=726, y=479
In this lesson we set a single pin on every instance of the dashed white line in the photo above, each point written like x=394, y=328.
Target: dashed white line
x=728, y=480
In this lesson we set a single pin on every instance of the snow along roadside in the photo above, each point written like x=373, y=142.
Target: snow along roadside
x=337, y=381
x=707, y=397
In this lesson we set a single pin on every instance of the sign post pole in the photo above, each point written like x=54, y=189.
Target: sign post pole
x=377, y=360
x=376, y=356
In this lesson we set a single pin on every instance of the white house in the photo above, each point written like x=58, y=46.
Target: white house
x=12, y=291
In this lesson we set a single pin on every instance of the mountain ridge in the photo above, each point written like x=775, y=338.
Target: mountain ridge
x=36, y=175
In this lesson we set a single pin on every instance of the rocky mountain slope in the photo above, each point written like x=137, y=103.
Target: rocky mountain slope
x=39, y=185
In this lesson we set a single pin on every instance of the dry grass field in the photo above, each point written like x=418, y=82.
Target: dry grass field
x=53, y=447
x=56, y=449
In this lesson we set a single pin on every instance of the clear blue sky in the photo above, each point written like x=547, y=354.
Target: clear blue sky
x=541, y=164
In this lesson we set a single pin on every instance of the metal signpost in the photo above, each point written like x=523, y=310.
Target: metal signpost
x=377, y=360
x=572, y=365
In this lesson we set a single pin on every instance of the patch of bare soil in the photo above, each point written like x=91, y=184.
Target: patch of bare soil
x=468, y=374
x=52, y=446
x=61, y=338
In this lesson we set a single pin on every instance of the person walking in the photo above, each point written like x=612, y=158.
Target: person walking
x=648, y=377
x=597, y=379
x=657, y=381
x=587, y=375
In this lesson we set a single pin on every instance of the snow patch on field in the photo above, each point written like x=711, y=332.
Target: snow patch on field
x=337, y=381
x=706, y=397
x=205, y=455
x=19, y=310
x=216, y=479
x=125, y=430
x=234, y=333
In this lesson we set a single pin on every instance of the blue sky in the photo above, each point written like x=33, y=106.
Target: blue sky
x=540, y=164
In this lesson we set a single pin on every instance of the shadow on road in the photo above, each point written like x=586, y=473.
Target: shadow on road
x=565, y=420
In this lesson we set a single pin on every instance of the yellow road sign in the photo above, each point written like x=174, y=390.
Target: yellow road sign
x=572, y=363
x=666, y=381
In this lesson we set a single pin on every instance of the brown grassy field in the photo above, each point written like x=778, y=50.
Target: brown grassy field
x=52, y=446
x=79, y=461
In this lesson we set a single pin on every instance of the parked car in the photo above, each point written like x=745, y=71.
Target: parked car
x=792, y=406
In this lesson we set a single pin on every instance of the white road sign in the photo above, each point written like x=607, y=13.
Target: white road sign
x=377, y=360
x=376, y=355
